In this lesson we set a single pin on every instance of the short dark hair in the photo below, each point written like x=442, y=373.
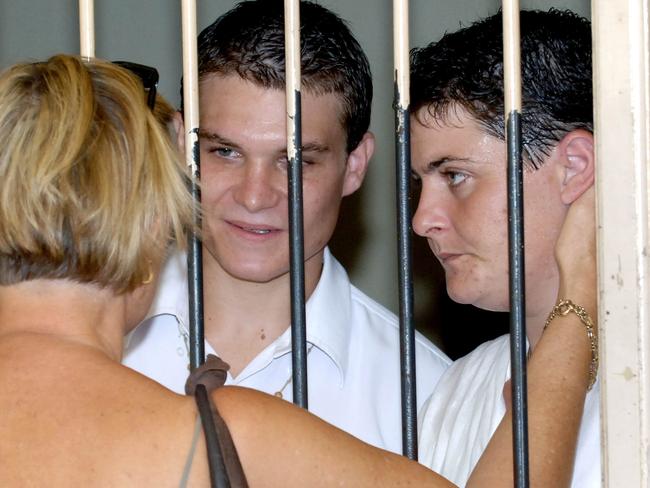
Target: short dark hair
x=248, y=40
x=464, y=70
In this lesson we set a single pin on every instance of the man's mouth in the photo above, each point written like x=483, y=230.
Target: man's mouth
x=257, y=231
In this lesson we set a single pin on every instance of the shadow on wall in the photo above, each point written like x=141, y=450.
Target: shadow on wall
x=351, y=234
x=457, y=329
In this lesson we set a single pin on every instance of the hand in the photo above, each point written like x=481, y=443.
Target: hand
x=575, y=252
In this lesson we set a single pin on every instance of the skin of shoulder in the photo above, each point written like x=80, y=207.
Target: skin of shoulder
x=283, y=445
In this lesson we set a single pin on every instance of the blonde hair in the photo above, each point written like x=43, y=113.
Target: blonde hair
x=91, y=188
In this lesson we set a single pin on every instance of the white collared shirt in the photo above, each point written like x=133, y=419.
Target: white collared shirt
x=467, y=406
x=353, y=367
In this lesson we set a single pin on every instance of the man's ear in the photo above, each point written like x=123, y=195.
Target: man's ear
x=179, y=128
x=357, y=164
x=576, y=153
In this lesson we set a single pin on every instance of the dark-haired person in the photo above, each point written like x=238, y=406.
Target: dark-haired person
x=353, y=344
x=459, y=154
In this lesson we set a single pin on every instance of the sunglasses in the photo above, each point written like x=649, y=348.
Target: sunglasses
x=148, y=76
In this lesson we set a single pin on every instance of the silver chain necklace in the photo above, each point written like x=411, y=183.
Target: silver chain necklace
x=290, y=378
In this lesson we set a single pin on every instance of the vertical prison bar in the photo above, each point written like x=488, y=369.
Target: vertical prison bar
x=403, y=167
x=87, y=28
x=294, y=175
x=216, y=464
x=191, y=119
x=512, y=113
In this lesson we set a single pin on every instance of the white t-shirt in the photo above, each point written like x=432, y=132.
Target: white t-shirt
x=467, y=406
x=353, y=367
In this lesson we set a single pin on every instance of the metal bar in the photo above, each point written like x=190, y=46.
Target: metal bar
x=403, y=158
x=191, y=119
x=622, y=124
x=512, y=96
x=87, y=28
x=296, y=237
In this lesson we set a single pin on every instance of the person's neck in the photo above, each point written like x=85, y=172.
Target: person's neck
x=80, y=314
x=243, y=317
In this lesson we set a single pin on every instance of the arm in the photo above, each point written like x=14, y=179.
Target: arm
x=282, y=445
x=558, y=371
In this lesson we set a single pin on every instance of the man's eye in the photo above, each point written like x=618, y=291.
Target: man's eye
x=223, y=152
x=455, y=178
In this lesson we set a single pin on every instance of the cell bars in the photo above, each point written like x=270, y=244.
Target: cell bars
x=296, y=236
x=512, y=91
x=512, y=99
x=87, y=28
x=403, y=167
x=192, y=158
x=631, y=304
x=218, y=474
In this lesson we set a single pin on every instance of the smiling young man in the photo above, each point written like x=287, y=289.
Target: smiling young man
x=459, y=155
x=353, y=344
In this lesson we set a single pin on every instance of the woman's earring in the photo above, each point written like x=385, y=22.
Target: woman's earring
x=149, y=277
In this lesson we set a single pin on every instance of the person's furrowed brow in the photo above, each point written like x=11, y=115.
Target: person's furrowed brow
x=436, y=163
x=216, y=138
x=315, y=147
x=312, y=148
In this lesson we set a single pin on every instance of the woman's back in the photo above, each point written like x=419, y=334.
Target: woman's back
x=92, y=194
x=73, y=417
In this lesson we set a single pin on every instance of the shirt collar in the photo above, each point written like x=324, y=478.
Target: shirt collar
x=328, y=315
x=172, y=295
x=327, y=311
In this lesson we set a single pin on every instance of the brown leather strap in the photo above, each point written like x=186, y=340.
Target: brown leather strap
x=212, y=375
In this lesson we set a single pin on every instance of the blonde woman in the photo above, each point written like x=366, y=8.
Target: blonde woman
x=91, y=195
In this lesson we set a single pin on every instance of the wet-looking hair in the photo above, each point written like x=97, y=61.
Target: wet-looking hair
x=91, y=188
x=464, y=70
x=249, y=41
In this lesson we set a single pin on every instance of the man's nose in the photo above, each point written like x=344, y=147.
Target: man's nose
x=432, y=214
x=259, y=187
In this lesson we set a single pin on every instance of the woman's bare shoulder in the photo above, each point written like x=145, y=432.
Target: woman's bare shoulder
x=92, y=423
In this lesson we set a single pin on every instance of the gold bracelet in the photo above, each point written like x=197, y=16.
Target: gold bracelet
x=563, y=308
